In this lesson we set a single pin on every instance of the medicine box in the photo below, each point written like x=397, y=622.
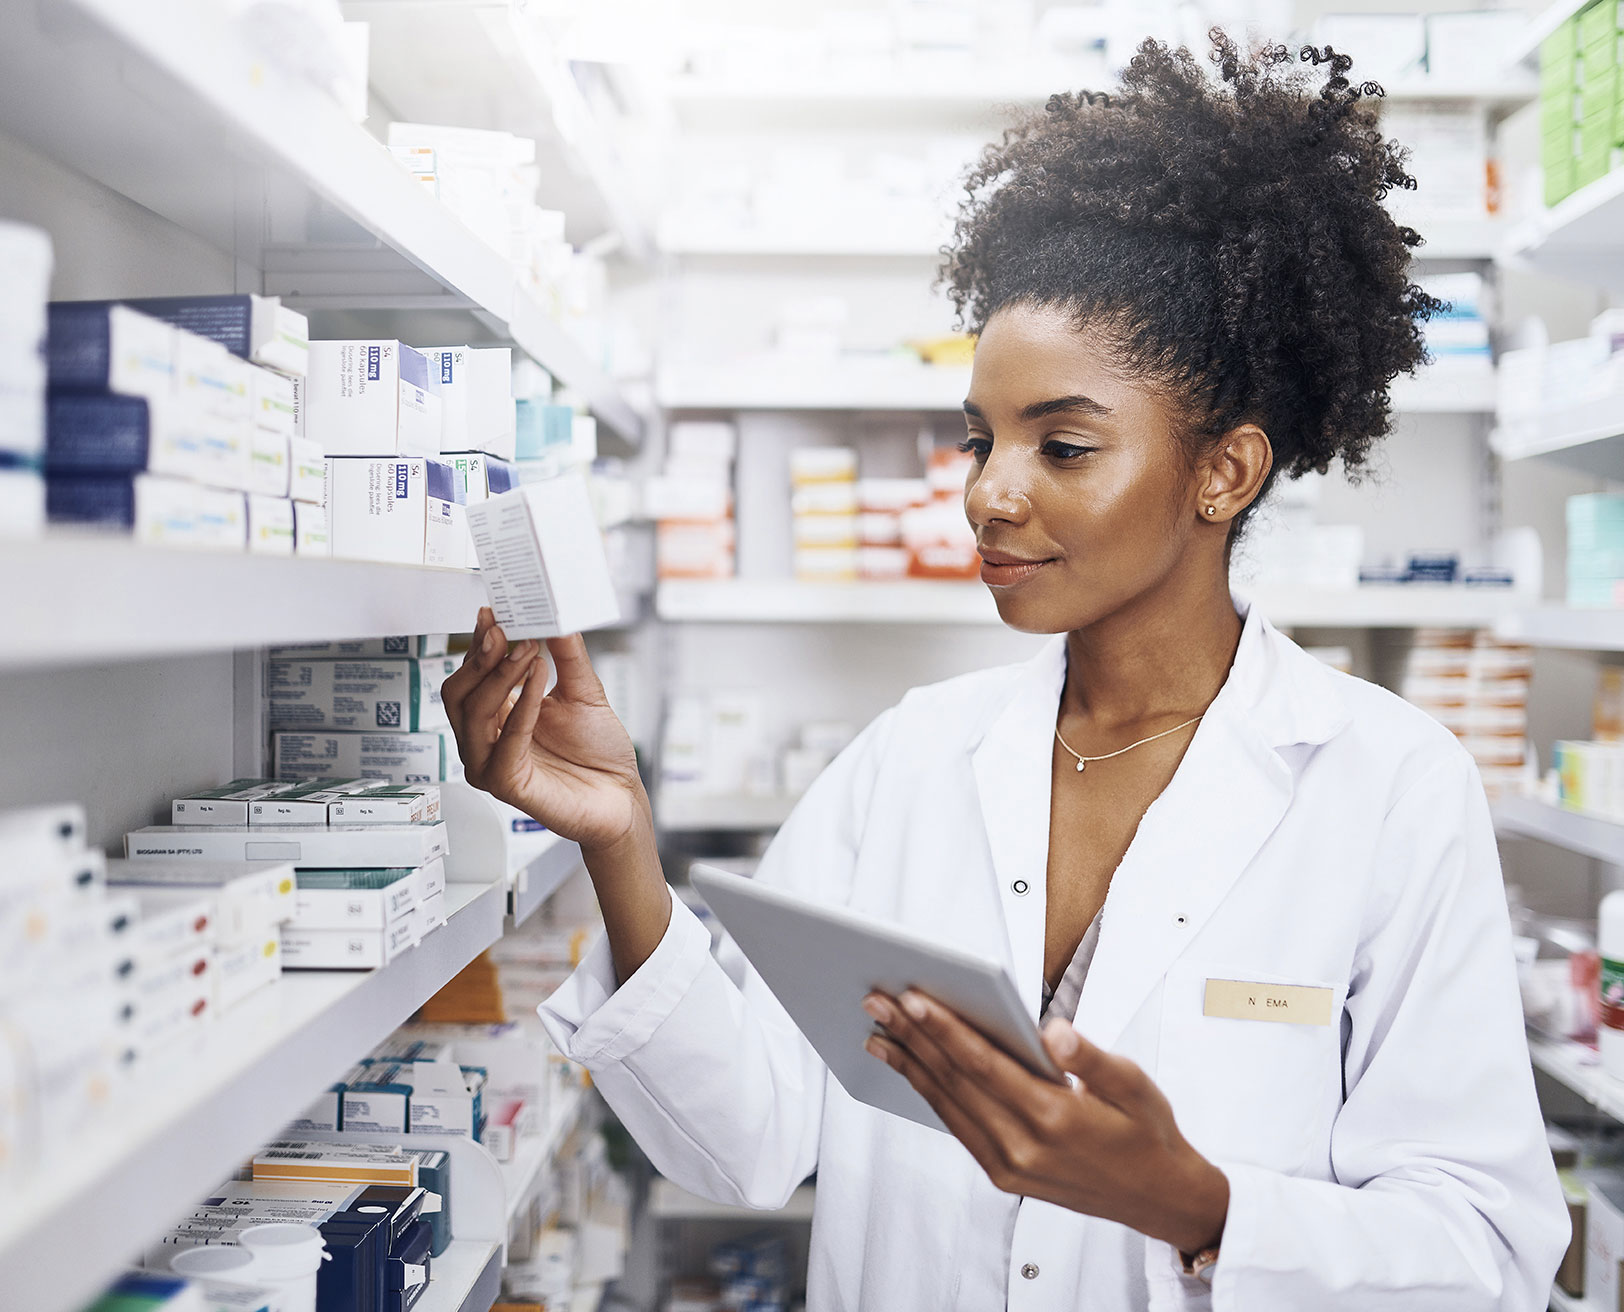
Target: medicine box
x=323, y=1114
x=399, y=758
x=157, y=511
x=393, y=894
x=305, y=804
x=256, y=328
x=307, y=471
x=476, y=389
x=420, y=645
x=225, y=805
x=346, y=846
x=387, y=806
x=211, y=410
x=310, y=530
x=242, y=969
x=542, y=558
x=445, y=524
x=298, y=1159
x=377, y=509
x=358, y=694
x=269, y=464
x=270, y=525
x=347, y=949
x=372, y=398
x=95, y=346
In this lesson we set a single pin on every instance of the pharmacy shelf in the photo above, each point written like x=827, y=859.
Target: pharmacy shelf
x=494, y=66
x=519, y=1176
x=1583, y=437
x=1577, y=238
x=1563, y=1302
x=133, y=601
x=889, y=383
x=467, y=1277
x=186, y=1121
x=671, y=1202
x=923, y=601
x=539, y=880
x=680, y=813
x=1575, y=1065
x=1528, y=817
x=1564, y=626
x=170, y=104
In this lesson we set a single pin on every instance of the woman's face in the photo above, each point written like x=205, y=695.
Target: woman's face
x=1081, y=498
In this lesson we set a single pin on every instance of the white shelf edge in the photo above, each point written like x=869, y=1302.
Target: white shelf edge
x=671, y=1202
x=679, y=813
x=1526, y=47
x=66, y=1231
x=542, y=877
x=1576, y=831
x=1570, y=627
x=467, y=1277
x=134, y=601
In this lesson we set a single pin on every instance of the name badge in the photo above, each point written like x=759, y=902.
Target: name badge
x=1291, y=1004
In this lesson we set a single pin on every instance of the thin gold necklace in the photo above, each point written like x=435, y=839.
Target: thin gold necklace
x=1084, y=760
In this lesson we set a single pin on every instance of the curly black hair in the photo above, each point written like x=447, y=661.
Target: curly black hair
x=1227, y=235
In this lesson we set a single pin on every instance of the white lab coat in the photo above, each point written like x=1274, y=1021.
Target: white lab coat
x=1319, y=831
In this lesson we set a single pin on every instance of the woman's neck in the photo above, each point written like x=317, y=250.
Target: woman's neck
x=1166, y=653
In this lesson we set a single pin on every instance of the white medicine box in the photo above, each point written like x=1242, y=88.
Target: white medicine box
x=372, y=398
x=542, y=557
x=377, y=508
x=476, y=389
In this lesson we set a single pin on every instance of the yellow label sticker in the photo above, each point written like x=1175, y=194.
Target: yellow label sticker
x=1292, y=1004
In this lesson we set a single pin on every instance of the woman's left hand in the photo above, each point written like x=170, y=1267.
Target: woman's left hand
x=1107, y=1146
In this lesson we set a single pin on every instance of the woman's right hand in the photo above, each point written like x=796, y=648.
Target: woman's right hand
x=562, y=757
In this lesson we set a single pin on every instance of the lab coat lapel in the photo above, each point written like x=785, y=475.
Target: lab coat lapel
x=1012, y=766
x=1228, y=795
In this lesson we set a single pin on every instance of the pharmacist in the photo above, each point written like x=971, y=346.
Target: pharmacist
x=1183, y=291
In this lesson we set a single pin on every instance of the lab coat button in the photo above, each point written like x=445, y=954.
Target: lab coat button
x=1029, y=1271
x=1020, y=886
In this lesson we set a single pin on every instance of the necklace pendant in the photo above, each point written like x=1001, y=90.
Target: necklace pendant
x=1080, y=765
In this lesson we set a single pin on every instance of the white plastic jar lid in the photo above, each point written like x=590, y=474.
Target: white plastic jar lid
x=215, y=1260
x=282, y=1249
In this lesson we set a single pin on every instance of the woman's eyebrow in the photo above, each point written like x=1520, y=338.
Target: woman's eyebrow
x=1065, y=404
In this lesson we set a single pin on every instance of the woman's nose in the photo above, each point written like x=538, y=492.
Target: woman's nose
x=994, y=497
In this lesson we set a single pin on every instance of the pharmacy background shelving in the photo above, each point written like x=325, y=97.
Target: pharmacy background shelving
x=924, y=601
x=669, y=1201
x=899, y=383
x=1528, y=817
x=1585, y=437
x=188, y=1120
x=165, y=102
x=1564, y=626
x=1577, y=238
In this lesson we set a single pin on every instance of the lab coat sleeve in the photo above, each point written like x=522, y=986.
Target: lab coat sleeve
x=1445, y=1195
x=714, y=1081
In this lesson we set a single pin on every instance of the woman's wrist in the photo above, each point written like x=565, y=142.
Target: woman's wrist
x=1197, y=1218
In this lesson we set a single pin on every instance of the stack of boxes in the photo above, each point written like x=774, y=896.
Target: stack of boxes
x=692, y=503
x=1581, y=114
x=1477, y=688
x=362, y=709
x=881, y=504
x=180, y=419
x=107, y=965
x=940, y=542
x=1457, y=339
x=1595, y=550
x=366, y=890
x=25, y=285
x=823, y=513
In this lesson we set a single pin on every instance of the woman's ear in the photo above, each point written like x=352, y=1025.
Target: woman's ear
x=1233, y=474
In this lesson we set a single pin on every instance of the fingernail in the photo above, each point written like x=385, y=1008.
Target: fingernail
x=522, y=651
x=489, y=641
x=913, y=1004
x=876, y=1008
x=876, y=1049
x=1064, y=1041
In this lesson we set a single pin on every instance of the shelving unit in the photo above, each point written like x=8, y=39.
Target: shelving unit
x=519, y=1176
x=467, y=1278
x=1564, y=626
x=885, y=382
x=1577, y=238
x=193, y=1117
x=924, y=601
x=134, y=601
x=1527, y=817
x=1583, y=437
x=165, y=102
x=539, y=880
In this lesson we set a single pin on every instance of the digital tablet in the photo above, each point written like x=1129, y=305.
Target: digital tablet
x=821, y=962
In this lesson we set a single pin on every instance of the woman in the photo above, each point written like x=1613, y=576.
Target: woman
x=1257, y=902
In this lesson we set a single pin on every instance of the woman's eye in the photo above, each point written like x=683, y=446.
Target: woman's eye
x=977, y=446
x=1065, y=450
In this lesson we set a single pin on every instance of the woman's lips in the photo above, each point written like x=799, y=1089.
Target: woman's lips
x=999, y=571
